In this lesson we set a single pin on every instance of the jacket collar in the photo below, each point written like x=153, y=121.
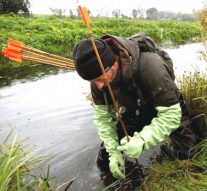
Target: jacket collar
x=128, y=54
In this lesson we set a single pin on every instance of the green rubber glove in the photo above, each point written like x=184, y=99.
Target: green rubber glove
x=105, y=122
x=132, y=148
x=167, y=120
x=117, y=167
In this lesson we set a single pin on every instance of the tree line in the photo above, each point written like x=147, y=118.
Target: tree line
x=15, y=6
x=151, y=14
x=23, y=7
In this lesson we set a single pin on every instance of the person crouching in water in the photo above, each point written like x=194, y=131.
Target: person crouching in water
x=151, y=105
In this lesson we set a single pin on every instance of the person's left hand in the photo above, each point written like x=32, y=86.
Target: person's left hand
x=132, y=148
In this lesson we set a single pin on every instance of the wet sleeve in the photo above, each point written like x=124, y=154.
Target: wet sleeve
x=105, y=122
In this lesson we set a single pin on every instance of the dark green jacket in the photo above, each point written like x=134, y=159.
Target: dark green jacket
x=143, y=85
x=138, y=72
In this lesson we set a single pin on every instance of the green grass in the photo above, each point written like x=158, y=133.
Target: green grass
x=179, y=175
x=20, y=168
x=60, y=35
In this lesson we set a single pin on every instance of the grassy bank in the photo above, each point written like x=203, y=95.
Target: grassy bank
x=59, y=35
x=184, y=175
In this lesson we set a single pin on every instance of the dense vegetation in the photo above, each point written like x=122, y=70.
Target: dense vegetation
x=183, y=175
x=59, y=35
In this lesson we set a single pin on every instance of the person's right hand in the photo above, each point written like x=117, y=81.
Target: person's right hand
x=116, y=166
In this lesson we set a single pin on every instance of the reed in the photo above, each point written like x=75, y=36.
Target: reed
x=194, y=90
x=17, y=167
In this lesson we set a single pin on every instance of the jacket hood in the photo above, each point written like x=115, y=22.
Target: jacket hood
x=129, y=53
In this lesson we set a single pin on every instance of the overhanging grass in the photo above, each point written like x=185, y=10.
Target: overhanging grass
x=179, y=175
x=20, y=168
x=194, y=90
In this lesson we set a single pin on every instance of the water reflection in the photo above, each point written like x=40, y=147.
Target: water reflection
x=9, y=74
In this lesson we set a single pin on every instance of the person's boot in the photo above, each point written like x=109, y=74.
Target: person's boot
x=102, y=160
